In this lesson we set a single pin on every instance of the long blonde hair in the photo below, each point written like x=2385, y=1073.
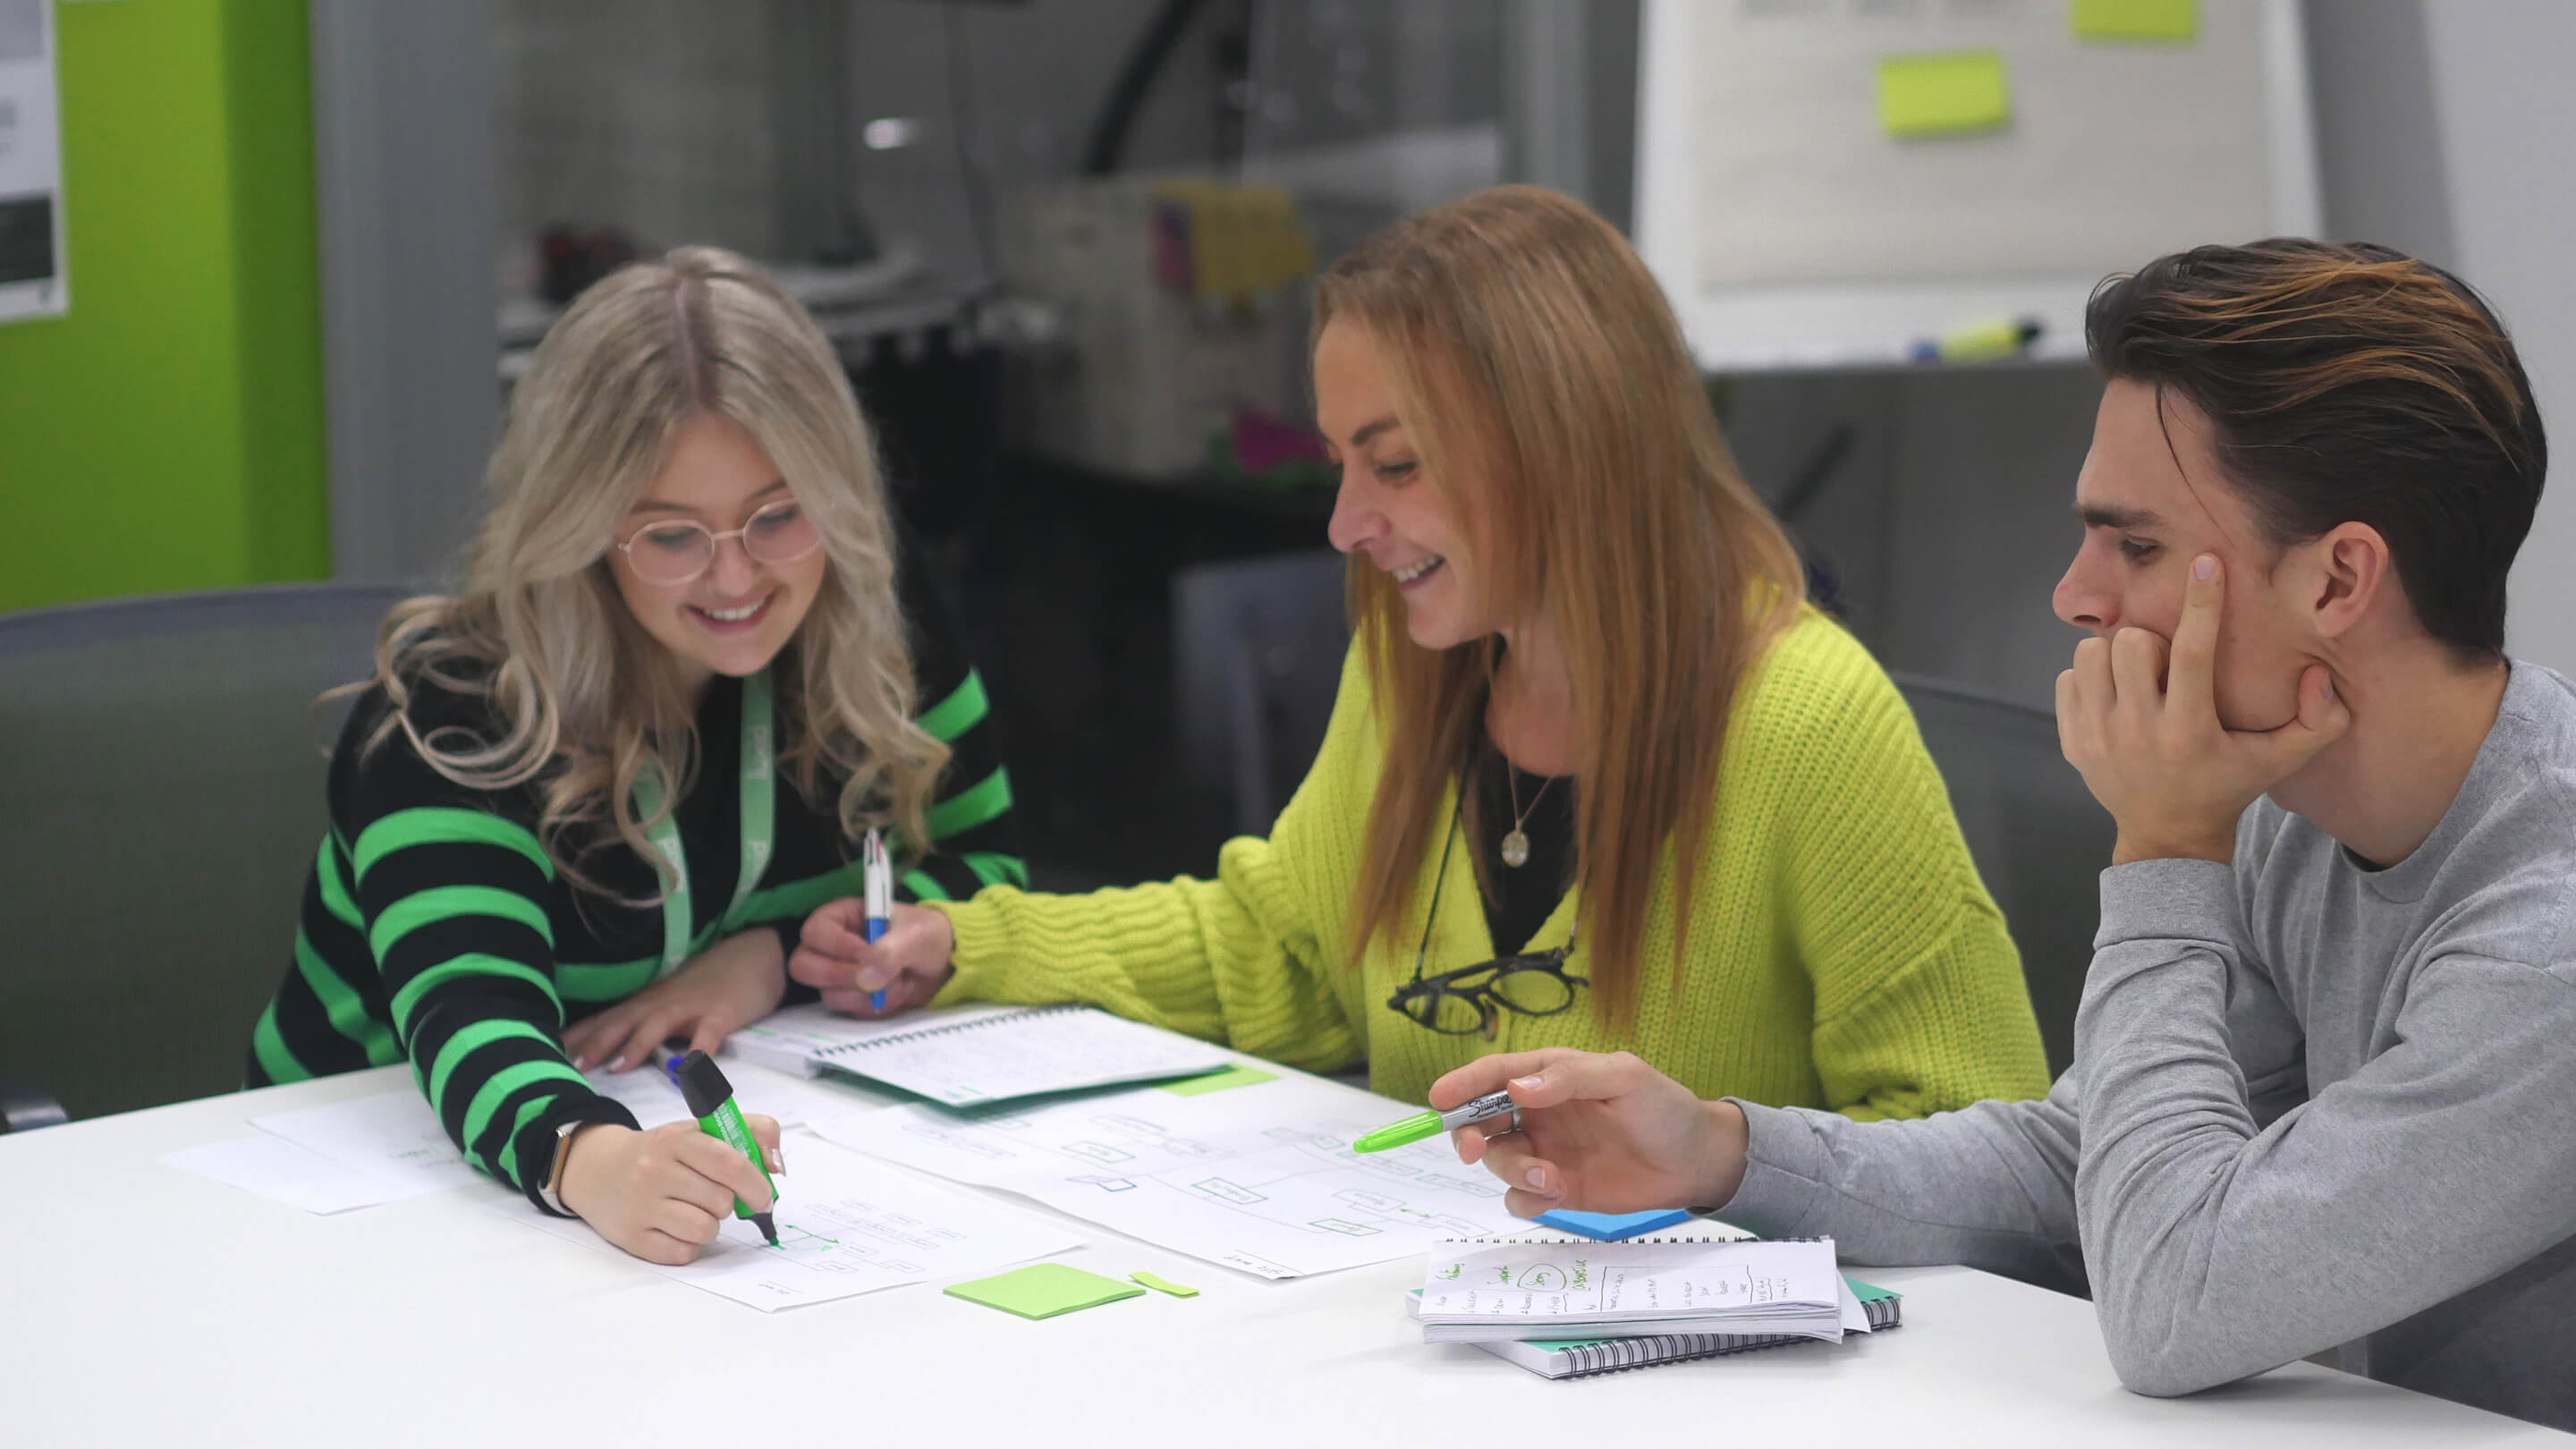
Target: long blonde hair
x=1527, y=347
x=585, y=697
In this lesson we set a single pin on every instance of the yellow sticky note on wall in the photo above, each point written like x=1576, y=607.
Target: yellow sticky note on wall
x=1943, y=93
x=2135, y=19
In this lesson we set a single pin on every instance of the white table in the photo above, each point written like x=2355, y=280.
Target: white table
x=437, y=1322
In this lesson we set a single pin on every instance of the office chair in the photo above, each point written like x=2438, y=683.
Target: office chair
x=2038, y=837
x=161, y=796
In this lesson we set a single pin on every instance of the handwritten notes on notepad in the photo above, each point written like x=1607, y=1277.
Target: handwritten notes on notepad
x=1260, y=1177
x=846, y=1226
x=1943, y=93
x=1530, y=1289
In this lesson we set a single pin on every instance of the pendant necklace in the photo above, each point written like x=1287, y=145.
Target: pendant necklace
x=1516, y=844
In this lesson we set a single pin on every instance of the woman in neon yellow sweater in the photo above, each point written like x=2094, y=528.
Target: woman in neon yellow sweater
x=1588, y=720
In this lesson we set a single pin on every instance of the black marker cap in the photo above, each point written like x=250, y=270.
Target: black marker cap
x=702, y=1084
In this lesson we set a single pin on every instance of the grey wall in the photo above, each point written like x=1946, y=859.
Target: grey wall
x=648, y=115
x=403, y=181
x=2508, y=122
x=1949, y=521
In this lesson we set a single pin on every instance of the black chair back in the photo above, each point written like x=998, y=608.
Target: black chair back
x=2039, y=838
x=161, y=779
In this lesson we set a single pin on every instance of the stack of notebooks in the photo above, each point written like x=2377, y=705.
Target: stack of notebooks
x=968, y=1056
x=1563, y=1309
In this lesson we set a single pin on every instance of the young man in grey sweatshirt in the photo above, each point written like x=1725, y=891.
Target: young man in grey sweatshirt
x=2324, y=1090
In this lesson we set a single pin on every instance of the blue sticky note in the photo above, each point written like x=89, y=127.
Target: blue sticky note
x=1611, y=1227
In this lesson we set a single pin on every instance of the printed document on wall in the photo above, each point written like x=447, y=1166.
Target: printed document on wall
x=32, y=281
x=1259, y=1177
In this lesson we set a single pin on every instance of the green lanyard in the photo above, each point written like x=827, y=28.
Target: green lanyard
x=759, y=807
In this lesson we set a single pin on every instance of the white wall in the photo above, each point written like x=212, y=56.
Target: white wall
x=2508, y=126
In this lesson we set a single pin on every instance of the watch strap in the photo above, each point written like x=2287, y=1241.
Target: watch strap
x=552, y=1192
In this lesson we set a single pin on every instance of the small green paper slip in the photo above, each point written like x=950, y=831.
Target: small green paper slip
x=1939, y=93
x=2134, y=19
x=1232, y=1077
x=1161, y=1284
x=1043, y=1290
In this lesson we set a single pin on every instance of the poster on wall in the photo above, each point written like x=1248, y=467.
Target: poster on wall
x=31, y=166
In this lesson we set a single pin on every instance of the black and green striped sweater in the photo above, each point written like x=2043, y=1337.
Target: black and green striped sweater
x=436, y=930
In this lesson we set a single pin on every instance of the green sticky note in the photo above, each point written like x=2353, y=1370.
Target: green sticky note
x=1223, y=1081
x=2177, y=20
x=1164, y=1285
x=1043, y=1290
x=1869, y=1292
x=1943, y=93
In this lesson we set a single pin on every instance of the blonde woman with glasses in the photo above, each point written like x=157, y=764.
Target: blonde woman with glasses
x=1597, y=776
x=586, y=802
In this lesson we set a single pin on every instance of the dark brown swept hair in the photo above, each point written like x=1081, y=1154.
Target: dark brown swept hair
x=2345, y=382
x=1529, y=349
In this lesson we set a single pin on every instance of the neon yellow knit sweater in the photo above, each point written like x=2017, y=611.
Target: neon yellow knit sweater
x=1843, y=955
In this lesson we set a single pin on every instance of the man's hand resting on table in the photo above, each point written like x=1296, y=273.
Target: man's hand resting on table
x=1605, y=1134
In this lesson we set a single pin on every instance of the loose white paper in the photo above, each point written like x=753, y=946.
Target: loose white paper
x=1260, y=1177
x=396, y=1142
x=280, y=1171
x=393, y=1136
x=845, y=1226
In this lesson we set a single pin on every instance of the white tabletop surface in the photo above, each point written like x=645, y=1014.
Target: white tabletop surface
x=143, y=1305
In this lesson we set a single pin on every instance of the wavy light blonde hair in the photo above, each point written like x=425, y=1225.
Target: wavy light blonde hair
x=586, y=698
x=1541, y=376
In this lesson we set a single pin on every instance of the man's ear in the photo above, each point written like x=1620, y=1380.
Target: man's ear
x=2349, y=573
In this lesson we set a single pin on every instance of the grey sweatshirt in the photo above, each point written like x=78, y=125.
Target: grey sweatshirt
x=2313, y=1105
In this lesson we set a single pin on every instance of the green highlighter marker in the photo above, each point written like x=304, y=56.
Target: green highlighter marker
x=1428, y=1124
x=710, y=1100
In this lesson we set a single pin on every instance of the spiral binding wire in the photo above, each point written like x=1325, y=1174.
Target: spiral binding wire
x=851, y=1048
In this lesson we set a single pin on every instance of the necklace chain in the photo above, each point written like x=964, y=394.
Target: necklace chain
x=1515, y=842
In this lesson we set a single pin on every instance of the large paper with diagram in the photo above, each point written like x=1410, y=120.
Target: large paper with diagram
x=1252, y=1169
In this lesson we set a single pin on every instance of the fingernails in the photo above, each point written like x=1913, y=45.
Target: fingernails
x=2205, y=567
x=2329, y=689
x=1536, y=1177
x=1526, y=1084
x=618, y=1065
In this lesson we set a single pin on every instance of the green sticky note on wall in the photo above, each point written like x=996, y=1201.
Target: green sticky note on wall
x=1943, y=93
x=1043, y=1290
x=2135, y=19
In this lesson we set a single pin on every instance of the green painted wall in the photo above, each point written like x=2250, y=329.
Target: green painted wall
x=167, y=432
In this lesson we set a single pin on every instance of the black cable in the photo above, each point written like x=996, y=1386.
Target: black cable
x=1819, y=470
x=1118, y=115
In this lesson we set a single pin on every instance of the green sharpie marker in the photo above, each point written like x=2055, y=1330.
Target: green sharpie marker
x=1428, y=1124
x=710, y=1100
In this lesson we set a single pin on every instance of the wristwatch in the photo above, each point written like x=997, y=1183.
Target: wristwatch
x=552, y=1192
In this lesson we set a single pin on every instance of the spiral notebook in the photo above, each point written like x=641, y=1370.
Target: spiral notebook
x=1578, y=1357
x=1503, y=1289
x=973, y=1055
